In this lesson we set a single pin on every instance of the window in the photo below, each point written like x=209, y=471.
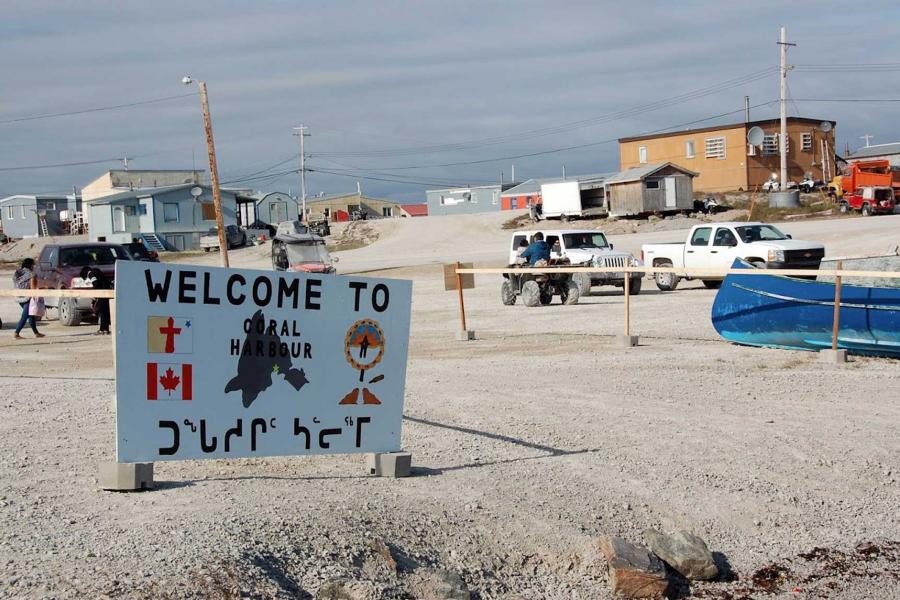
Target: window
x=9, y=212
x=724, y=237
x=517, y=241
x=584, y=240
x=652, y=184
x=756, y=233
x=129, y=211
x=806, y=142
x=701, y=236
x=22, y=211
x=715, y=148
x=387, y=211
x=142, y=209
x=642, y=155
x=208, y=211
x=170, y=212
x=689, y=149
x=495, y=197
x=770, y=144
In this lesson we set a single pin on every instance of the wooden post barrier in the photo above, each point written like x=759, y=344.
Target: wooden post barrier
x=454, y=280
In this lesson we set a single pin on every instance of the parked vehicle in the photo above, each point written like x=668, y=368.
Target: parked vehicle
x=869, y=201
x=587, y=247
x=835, y=186
x=566, y=200
x=539, y=288
x=771, y=185
x=295, y=249
x=60, y=264
x=715, y=246
x=809, y=184
x=320, y=227
x=234, y=236
x=870, y=173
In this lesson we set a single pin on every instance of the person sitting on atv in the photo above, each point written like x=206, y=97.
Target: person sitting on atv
x=537, y=251
x=523, y=245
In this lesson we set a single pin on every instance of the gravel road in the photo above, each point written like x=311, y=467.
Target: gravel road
x=528, y=444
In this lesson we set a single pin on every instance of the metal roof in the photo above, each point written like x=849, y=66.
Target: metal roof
x=533, y=186
x=36, y=197
x=747, y=125
x=876, y=150
x=638, y=173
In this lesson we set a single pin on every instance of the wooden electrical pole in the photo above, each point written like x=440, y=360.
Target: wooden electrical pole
x=214, y=174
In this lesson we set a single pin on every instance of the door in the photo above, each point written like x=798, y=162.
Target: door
x=146, y=219
x=278, y=212
x=671, y=198
x=724, y=248
x=696, y=252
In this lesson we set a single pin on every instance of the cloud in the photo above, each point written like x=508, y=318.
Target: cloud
x=373, y=76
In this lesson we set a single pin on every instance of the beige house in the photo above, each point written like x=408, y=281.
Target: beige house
x=724, y=161
x=340, y=207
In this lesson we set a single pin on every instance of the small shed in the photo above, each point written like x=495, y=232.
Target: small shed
x=657, y=188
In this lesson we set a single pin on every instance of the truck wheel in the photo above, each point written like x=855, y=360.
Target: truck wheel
x=844, y=208
x=68, y=312
x=634, y=286
x=584, y=283
x=507, y=293
x=712, y=284
x=571, y=293
x=666, y=281
x=531, y=293
x=866, y=210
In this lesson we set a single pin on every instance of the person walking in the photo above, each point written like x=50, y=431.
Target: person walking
x=24, y=279
x=101, y=305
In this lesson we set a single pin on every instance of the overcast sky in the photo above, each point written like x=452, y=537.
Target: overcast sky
x=370, y=77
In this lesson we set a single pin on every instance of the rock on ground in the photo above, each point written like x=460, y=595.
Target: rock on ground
x=633, y=571
x=684, y=552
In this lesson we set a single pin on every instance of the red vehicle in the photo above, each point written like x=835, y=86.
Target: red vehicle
x=59, y=264
x=870, y=201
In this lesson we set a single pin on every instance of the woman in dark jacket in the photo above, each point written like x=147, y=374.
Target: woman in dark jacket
x=101, y=305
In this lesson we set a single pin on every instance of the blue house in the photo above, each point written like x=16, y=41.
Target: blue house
x=22, y=214
x=171, y=218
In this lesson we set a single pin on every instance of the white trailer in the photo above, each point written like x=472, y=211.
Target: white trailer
x=568, y=199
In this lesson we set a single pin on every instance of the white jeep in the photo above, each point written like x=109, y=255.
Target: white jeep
x=581, y=247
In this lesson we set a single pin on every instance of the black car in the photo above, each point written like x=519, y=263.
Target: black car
x=139, y=251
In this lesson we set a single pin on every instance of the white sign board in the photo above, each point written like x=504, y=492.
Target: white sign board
x=225, y=363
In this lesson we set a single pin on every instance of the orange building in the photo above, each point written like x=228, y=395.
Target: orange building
x=724, y=161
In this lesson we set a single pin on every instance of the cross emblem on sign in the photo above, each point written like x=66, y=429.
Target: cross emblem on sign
x=170, y=331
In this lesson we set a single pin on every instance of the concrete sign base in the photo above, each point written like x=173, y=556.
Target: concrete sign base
x=833, y=357
x=465, y=336
x=126, y=477
x=389, y=464
x=626, y=341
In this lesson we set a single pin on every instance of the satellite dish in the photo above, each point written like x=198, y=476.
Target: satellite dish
x=755, y=136
x=196, y=191
x=825, y=126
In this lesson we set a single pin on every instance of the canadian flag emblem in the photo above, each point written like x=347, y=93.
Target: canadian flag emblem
x=169, y=381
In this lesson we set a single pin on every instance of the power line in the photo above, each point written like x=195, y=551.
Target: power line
x=59, y=165
x=566, y=148
x=633, y=111
x=93, y=110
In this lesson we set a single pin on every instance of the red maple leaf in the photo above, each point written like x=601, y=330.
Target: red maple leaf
x=170, y=380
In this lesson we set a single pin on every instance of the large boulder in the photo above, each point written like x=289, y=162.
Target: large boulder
x=684, y=552
x=634, y=571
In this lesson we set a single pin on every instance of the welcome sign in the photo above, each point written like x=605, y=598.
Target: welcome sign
x=226, y=363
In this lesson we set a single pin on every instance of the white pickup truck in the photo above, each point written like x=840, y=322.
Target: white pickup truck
x=715, y=246
x=582, y=246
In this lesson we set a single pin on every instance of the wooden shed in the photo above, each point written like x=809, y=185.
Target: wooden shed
x=657, y=188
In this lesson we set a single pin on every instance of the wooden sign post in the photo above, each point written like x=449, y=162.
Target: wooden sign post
x=837, y=307
x=453, y=280
x=627, y=340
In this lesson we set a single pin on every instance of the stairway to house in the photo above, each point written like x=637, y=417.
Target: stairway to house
x=154, y=242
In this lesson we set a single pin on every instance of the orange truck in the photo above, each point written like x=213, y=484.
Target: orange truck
x=870, y=173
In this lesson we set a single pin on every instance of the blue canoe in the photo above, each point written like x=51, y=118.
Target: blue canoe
x=798, y=314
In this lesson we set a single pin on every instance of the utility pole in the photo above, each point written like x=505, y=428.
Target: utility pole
x=301, y=132
x=746, y=109
x=214, y=174
x=782, y=138
x=564, y=171
x=867, y=137
x=513, y=174
x=124, y=160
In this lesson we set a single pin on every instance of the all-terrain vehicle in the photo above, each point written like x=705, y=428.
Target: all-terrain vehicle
x=539, y=288
x=294, y=248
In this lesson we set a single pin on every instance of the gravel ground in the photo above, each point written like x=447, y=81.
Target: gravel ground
x=528, y=445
